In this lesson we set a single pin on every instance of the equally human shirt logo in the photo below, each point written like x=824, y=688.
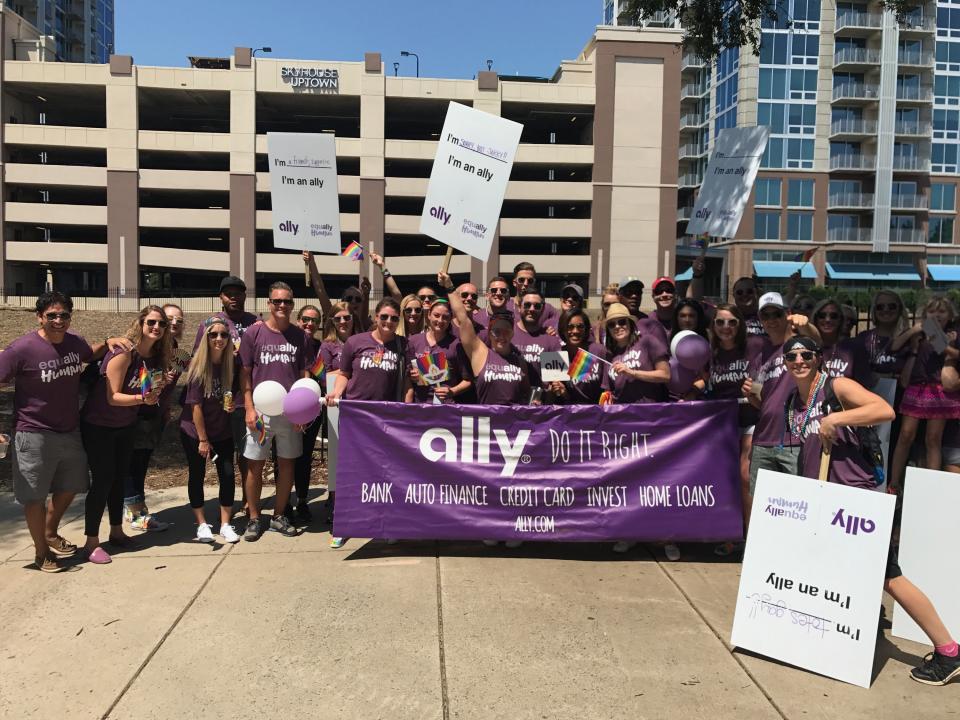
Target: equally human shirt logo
x=473, y=444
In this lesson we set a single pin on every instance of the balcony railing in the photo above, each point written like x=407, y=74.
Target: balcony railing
x=918, y=24
x=692, y=60
x=851, y=200
x=912, y=127
x=911, y=163
x=684, y=213
x=915, y=94
x=856, y=56
x=909, y=202
x=853, y=161
x=694, y=90
x=856, y=91
x=692, y=150
x=908, y=236
x=690, y=180
x=853, y=127
x=849, y=235
x=851, y=19
x=692, y=120
x=915, y=57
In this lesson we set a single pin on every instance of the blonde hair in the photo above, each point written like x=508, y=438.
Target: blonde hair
x=940, y=302
x=403, y=329
x=162, y=349
x=201, y=365
x=330, y=327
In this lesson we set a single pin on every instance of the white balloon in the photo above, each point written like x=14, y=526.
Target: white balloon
x=677, y=338
x=268, y=398
x=307, y=383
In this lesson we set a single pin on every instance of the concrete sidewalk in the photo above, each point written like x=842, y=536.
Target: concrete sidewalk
x=288, y=627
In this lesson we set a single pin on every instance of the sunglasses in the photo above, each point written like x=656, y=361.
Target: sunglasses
x=426, y=298
x=886, y=307
x=806, y=355
x=571, y=296
x=724, y=322
x=499, y=331
x=524, y=280
x=744, y=293
x=310, y=319
x=353, y=299
x=576, y=326
x=828, y=316
x=57, y=316
x=778, y=315
x=532, y=305
x=469, y=295
x=151, y=323
x=277, y=302
x=342, y=319
x=233, y=293
x=384, y=317
x=664, y=291
x=218, y=335
x=174, y=320
x=497, y=291
x=412, y=311
x=619, y=322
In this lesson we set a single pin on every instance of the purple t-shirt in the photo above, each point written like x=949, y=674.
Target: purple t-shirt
x=330, y=351
x=728, y=370
x=47, y=377
x=531, y=346
x=586, y=390
x=848, y=358
x=274, y=355
x=236, y=329
x=215, y=421
x=503, y=381
x=754, y=326
x=98, y=410
x=769, y=369
x=883, y=360
x=480, y=321
x=448, y=346
x=374, y=368
x=642, y=355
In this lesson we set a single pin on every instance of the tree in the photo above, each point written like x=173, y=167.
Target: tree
x=711, y=26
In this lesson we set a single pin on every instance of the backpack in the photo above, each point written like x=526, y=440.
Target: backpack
x=870, y=447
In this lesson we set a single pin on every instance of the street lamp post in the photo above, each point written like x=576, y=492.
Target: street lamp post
x=263, y=49
x=407, y=53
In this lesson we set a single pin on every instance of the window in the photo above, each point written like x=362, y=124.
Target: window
x=944, y=157
x=942, y=197
x=767, y=192
x=903, y=189
x=800, y=226
x=845, y=187
x=766, y=225
x=800, y=193
x=940, y=231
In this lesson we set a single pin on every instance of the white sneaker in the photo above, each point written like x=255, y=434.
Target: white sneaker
x=228, y=534
x=623, y=546
x=491, y=543
x=204, y=533
x=672, y=552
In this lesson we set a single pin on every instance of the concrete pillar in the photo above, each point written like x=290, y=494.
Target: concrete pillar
x=243, y=180
x=123, y=181
x=372, y=182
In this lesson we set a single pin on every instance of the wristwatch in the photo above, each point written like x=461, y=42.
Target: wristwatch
x=385, y=273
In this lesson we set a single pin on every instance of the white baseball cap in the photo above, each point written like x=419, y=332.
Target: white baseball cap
x=771, y=298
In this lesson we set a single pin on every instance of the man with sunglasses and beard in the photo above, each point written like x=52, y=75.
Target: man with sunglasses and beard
x=275, y=349
x=469, y=294
x=745, y=298
x=498, y=294
x=525, y=280
x=530, y=336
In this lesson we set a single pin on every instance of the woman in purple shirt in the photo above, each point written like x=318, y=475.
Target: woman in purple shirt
x=372, y=363
x=411, y=316
x=205, y=426
x=437, y=339
x=831, y=430
x=639, y=370
x=842, y=356
x=109, y=418
x=575, y=331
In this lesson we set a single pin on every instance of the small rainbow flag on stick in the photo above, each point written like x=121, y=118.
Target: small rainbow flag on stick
x=261, y=429
x=606, y=398
x=583, y=364
x=146, y=380
x=318, y=369
x=353, y=251
x=433, y=368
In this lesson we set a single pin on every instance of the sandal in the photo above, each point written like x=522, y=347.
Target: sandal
x=98, y=556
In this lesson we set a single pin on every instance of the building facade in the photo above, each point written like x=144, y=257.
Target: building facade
x=81, y=30
x=136, y=181
x=863, y=116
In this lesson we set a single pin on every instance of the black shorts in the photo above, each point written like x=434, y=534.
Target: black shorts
x=893, y=565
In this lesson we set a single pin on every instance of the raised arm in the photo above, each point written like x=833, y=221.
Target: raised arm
x=319, y=289
x=475, y=349
x=388, y=282
x=695, y=286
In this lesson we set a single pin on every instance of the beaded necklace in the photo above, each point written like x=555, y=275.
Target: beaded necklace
x=798, y=425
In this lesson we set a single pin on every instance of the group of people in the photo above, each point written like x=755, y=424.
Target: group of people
x=802, y=377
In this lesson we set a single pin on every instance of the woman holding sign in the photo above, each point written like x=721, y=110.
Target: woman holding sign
x=821, y=413
x=433, y=357
x=128, y=380
x=586, y=375
x=639, y=370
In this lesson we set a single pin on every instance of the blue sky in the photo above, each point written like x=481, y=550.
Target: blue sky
x=454, y=38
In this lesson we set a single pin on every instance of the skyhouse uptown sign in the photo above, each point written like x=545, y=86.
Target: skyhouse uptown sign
x=305, y=78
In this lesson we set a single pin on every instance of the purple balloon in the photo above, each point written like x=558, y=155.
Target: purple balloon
x=681, y=378
x=693, y=352
x=301, y=406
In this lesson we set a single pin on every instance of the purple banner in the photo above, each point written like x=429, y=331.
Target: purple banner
x=621, y=472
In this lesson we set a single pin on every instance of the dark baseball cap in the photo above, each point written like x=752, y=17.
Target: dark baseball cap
x=232, y=281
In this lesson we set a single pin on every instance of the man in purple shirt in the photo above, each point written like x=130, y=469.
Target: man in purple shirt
x=48, y=456
x=272, y=350
x=530, y=335
x=524, y=279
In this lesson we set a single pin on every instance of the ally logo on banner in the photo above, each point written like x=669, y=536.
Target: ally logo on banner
x=469, y=179
x=727, y=181
x=303, y=191
x=812, y=575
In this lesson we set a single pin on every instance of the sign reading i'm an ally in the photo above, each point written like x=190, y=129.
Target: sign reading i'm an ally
x=303, y=191
x=469, y=179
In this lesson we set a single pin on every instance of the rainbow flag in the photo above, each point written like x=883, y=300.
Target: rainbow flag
x=606, y=398
x=353, y=251
x=318, y=369
x=433, y=368
x=261, y=429
x=146, y=380
x=582, y=365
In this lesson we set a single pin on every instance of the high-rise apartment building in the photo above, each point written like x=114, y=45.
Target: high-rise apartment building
x=82, y=30
x=864, y=116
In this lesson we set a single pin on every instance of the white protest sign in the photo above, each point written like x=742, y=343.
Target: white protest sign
x=469, y=178
x=333, y=436
x=554, y=365
x=923, y=529
x=303, y=191
x=887, y=389
x=727, y=181
x=812, y=575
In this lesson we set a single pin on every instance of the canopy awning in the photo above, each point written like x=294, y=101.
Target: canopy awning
x=783, y=269
x=685, y=275
x=944, y=273
x=867, y=271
